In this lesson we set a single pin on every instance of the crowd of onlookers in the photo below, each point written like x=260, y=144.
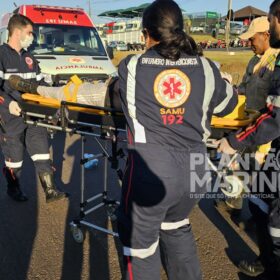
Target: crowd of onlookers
x=233, y=43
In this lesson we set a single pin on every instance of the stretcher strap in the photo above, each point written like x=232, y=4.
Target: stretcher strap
x=69, y=97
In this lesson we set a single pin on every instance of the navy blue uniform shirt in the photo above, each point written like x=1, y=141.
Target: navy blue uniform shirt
x=24, y=65
x=170, y=103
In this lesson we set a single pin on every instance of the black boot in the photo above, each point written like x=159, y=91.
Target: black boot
x=22, y=85
x=253, y=269
x=52, y=193
x=13, y=188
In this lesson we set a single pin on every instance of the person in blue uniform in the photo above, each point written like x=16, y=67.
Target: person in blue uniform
x=15, y=135
x=168, y=96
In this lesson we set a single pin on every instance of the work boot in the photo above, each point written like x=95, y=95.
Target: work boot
x=253, y=269
x=22, y=85
x=13, y=187
x=52, y=193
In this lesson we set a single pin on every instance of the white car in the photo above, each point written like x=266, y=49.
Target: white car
x=121, y=46
x=238, y=30
x=197, y=29
x=235, y=28
x=118, y=45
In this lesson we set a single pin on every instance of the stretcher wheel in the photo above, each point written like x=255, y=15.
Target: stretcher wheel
x=111, y=209
x=77, y=234
x=233, y=186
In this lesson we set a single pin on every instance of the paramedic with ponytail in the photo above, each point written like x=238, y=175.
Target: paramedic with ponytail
x=168, y=96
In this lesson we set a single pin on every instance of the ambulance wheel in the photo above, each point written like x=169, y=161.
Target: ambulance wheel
x=78, y=234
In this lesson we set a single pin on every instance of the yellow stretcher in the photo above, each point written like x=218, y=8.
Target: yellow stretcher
x=237, y=119
x=55, y=103
x=68, y=114
x=240, y=117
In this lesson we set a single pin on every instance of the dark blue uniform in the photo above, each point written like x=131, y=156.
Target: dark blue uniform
x=13, y=63
x=16, y=135
x=265, y=129
x=168, y=106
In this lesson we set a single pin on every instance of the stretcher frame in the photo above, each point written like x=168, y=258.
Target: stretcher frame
x=59, y=118
x=110, y=122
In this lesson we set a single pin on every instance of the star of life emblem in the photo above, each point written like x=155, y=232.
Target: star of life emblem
x=29, y=62
x=172, y=88
x=76, y=60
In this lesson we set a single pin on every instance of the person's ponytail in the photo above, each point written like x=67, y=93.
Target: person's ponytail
x=164, y=22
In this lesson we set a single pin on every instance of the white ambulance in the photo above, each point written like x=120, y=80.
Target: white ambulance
x=66, y=42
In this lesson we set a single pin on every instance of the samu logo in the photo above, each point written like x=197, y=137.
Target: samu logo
x=172, y=88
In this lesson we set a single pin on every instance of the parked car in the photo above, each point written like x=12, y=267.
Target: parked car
x=197, y=29
x=135, y=46
x=238, y=30
x=201, y=28
x=222, y=29
x=121, y=46
x=118, y=45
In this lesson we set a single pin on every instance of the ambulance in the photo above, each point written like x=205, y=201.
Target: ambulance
x=66, y=43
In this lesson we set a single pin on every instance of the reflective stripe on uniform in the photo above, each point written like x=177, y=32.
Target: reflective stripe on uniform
x=26, y=76
x=141, y=253
x=1, y=74
x=222, y=106
x=260, y=203
x=208, y=94
x=40, y=157
x=274, y=232
x=13, y=164
x=175, y=225
x=274, y=100
x=140, y=135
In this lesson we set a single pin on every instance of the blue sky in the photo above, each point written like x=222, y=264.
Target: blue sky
x=99, y=6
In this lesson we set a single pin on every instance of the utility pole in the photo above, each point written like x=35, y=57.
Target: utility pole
x=228, y=24
x=89, y=8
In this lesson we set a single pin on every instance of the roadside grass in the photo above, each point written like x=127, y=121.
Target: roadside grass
x=233, y=63
x=207, y=37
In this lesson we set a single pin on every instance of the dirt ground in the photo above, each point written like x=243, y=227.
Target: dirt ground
x=36, y=242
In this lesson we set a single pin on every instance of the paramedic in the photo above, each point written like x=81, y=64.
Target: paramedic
x=168, y=96
x=16, y=135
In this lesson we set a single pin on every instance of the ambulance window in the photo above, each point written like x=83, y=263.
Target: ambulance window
x=94, y=43
x=67, y=40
